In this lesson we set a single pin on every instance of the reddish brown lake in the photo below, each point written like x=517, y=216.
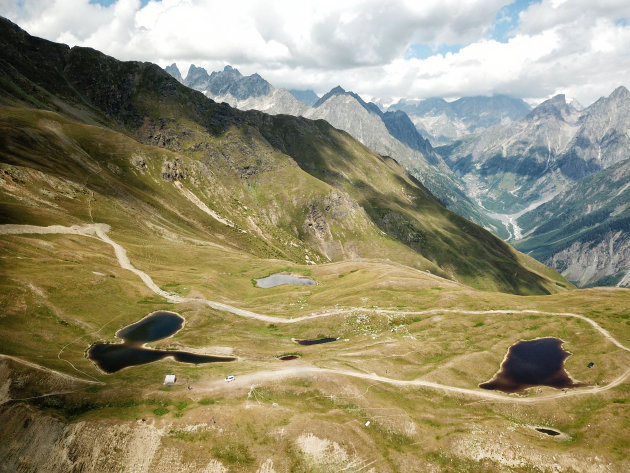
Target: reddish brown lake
x=530, y=363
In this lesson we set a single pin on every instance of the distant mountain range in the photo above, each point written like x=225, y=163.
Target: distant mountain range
x=502, y=159
x=86, y=137
x=388, y=133
x=307, y=97
x=443, y=122
x=575, y=163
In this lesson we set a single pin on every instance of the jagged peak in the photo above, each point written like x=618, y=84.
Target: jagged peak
x=174, y=71
x=334, y=91
x=620, y=93
x=556, y=106
x=194, y=70
x=370, y=107
x=559, y=99
x=232, y=70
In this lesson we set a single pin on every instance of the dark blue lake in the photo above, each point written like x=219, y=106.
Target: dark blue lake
x=316, y=341
x=156, y=326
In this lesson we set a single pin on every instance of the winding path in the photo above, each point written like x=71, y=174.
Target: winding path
x=246, y=380
x=100, y=230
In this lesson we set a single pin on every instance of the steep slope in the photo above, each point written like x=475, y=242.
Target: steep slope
x=389, y=134
x=512, y=166
x=173, y=70
x=546, y=157
x=444, y=122
x=602, y=139
x=147, y=103
x=365, y=122
x=585, y=232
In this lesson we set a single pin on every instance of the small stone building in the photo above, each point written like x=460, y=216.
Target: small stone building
x=170, y=379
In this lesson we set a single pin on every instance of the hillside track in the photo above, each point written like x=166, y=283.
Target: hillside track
x=100, y=231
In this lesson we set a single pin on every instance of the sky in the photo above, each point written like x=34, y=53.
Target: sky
x=381, y=49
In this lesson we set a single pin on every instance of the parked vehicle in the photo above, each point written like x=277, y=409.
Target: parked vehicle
x=229, y=379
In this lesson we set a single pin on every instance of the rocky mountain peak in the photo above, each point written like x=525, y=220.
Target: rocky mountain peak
x=370, y=107
x=197, y=77
x=228, y=71
x=173, y=70
x=620, y=93
x=334, y=91
x=555, y=107
x=229, y=81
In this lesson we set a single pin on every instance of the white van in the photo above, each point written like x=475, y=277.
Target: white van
x=229, y=379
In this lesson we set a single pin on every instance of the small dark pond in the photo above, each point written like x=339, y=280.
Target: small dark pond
x=289, y=357
x=283, y=278
x=530, y=363
x=316, y=341
x=161, y=324
x=547, y=431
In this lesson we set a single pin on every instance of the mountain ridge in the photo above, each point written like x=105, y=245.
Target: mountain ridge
x=545, y=158
x=155, y=109
x=376, y=129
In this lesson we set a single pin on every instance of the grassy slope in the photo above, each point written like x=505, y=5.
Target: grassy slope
x=144, y=101
x=61, y=293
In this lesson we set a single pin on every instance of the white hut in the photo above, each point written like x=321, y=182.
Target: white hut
x=169, y=379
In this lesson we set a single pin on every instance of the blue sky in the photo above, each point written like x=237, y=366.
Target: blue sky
x=506, y=21
x=501, y=29
x=399, y=48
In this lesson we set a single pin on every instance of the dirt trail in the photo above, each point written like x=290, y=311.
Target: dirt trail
x=244, y=381
x=100, y=231
x=30, y=364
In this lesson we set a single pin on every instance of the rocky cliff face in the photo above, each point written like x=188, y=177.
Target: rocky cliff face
x=584, y=232
x=603, y=137
x=173, y=70
x=278, y=101
x=401, y=127
x=34, y=442
x=229, y=81
x=599, y=262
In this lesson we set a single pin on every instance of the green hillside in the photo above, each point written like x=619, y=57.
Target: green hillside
x=243, y=152
x=123, y=193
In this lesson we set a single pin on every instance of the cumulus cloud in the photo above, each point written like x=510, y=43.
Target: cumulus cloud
x=578, y=47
